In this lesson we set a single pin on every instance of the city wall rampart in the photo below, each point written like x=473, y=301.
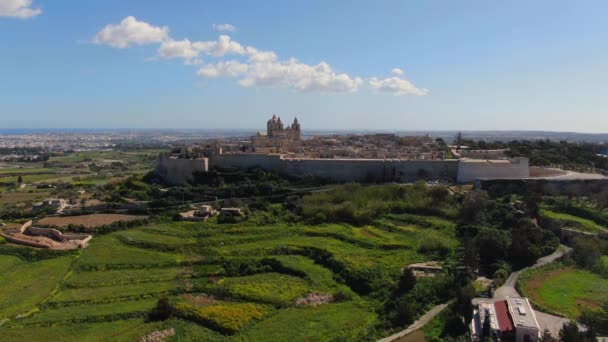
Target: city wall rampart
x=342, y=170
x=470, y=170
x=179, y=171
x=570, y=187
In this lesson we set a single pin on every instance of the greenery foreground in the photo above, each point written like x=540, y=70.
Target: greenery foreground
x=324, y=266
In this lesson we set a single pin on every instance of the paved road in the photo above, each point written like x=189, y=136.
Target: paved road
x=422, y=321
x=553, y=323
x=508, y=288
x=546, y=321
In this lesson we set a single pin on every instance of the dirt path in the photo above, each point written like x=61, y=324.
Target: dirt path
x=421, y=322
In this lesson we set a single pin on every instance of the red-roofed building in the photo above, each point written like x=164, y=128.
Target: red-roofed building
x=505, y=323
x=512, y=319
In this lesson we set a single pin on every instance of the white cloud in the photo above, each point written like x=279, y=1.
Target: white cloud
x=299, y=76
x=18, y=9
x=185, y=49
x=224, y=45
x=397, y=72
x=396, y=86
x=131, y=31
x=224, y=27
x=255, y=67
x=257, y=56
x=230, y=68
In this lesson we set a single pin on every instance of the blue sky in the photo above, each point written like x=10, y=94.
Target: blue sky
x=466, y=65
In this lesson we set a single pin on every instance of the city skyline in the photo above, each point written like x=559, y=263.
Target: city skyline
x=344, y=65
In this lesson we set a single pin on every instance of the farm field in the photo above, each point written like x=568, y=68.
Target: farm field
x=17, y=197
x=564, y=290
x=228, y=281
x=88, y=221
x=574, y=222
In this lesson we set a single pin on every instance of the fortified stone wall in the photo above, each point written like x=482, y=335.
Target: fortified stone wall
x=246, y=161
x=369, y=170
x=471, y=170
x=573, y=187
x=341, y=170
x=179, y=171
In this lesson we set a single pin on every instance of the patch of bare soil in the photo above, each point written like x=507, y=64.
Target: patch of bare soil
x=89, y=221
x=200, y=300
x=158, y=336
x=315, y=299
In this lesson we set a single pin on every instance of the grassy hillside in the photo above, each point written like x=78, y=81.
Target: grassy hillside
x=208, y=268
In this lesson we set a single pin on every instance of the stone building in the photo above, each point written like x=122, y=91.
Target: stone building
x=277, y=138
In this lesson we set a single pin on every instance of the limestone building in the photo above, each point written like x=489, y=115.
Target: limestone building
x=278, y=138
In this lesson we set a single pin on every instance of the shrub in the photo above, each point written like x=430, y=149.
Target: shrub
x=227, y=318
x=162, y=311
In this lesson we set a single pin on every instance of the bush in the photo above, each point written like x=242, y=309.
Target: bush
x=162, y=311
x=226, y=318
x=359, y=205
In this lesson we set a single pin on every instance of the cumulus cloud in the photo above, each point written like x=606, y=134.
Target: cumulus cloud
x=230, y=68
x=18, y=9
x=397, y=72
x=185, y=49
x=130, y=31
x=249, y=65
x=299, y=76
x=396, y=86
x=224, y=27
x=257, y=56
x=224, y=45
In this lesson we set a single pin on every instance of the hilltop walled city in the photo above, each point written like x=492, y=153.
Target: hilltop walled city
x=371, y=157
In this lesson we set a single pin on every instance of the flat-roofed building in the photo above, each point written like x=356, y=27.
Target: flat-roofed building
x=512, y=319
x=524, y=319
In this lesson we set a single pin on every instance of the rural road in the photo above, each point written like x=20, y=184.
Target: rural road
x=545, y=321
x=553, y=323
x=422, y=321
x=508, y=288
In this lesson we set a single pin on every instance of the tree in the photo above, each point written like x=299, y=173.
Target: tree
x=162, y=311
x=546, y=336
x=571, y=333
x=406, y=282
x=486, y=330
x=474, y=205
x=532, y=199
x=404, y=311
x=458, y=140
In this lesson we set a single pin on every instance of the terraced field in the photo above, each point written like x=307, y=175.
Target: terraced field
x=574, y=222
x=238, y=282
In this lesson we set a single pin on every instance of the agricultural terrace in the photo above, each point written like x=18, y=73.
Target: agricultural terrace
x=573, y=222
x=564, y=290
x=257, y=280
x=88, y=221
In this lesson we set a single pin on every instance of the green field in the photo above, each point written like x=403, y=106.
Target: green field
x=26, y=284
x=574, y=222
x=564, y=290
x=17, y=197
x=109, y=288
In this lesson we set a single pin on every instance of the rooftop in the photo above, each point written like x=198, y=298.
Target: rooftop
x=522, y=313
